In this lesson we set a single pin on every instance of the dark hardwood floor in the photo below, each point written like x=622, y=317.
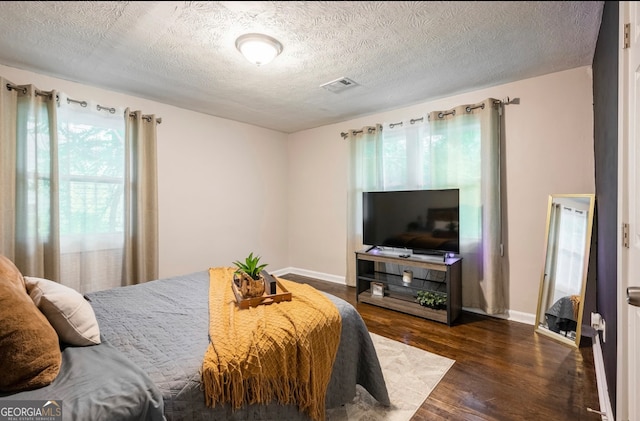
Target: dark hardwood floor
x=502, y=371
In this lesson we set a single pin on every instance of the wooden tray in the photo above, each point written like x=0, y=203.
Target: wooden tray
x=281, y=295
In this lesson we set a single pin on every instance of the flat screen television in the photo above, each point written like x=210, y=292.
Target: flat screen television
x=424, y=221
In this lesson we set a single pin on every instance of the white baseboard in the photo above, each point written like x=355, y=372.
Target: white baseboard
x=512, y=315
x=605, y=411
x=311, y=274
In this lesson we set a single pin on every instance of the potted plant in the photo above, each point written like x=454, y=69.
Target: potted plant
x=248, y=276
x=432, y=299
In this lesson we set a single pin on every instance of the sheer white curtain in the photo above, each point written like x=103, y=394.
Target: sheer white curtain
x=456, y=148
x=365, y=174
x=75, y=182
x=91, y=155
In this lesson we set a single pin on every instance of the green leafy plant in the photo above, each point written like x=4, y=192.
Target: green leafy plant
x=432, y=299
x=250, y=266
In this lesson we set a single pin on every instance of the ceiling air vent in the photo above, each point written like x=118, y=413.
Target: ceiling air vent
x=339, y=85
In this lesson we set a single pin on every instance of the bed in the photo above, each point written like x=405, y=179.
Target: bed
x=147, y=366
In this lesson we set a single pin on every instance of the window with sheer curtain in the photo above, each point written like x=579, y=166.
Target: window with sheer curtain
x=457, y=148
x=421, y=155
x=91, y=179
x=78, y=203
x=91, y=205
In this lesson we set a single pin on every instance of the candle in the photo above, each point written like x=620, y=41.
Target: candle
x=407, y=276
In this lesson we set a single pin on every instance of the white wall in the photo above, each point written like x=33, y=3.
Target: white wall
x=549, y=149
x=221, y=184
x=298, y=218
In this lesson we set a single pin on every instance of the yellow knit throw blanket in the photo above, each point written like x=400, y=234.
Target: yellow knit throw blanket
x=282, y=352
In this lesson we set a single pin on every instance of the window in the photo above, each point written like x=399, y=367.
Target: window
x=81, y=203
x=457, y=148
x=437, y=156
x=91, y=172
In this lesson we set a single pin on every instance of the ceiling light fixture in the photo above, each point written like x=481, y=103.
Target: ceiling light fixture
x=259, y=49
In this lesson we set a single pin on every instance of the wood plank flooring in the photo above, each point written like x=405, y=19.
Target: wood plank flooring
x=503, y=371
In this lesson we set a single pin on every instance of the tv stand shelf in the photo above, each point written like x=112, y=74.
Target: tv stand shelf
x=434, y=273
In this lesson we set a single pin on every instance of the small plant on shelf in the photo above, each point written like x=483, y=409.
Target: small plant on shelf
x=432, y=299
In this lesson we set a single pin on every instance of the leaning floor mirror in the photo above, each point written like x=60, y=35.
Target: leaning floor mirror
x=564, y=275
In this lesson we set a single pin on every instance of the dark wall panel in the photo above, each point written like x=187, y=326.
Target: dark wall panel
x=605, y=99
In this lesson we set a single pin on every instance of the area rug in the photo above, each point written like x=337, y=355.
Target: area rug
x=410, y=374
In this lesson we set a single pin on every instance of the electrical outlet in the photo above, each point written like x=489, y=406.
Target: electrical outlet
x=598, y=323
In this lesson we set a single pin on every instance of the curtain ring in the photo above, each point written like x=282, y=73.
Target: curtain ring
x=82, y=103
x=469, y=107
x=100, y=108
x=442, y=114
x=17, y=88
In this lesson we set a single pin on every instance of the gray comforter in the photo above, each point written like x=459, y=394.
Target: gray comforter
x=148, y=367
x=99, y=383
x=162, y=327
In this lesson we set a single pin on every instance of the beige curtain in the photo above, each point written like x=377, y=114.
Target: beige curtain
x=8, y=120
x=364, y=175
x=474, y=167
x=493, y=282
x=141, y=199
x=28, y=179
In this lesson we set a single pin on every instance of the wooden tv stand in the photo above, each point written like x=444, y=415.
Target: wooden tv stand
x=431, y=273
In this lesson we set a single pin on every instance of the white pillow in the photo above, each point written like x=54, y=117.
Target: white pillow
x=66, y=309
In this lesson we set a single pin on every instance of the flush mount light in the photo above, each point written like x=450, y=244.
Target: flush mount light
x=259, y=49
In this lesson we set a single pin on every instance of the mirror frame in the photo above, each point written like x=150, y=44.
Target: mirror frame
x=585, y=265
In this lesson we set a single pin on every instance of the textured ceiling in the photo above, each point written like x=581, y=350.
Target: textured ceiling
x=398, y=52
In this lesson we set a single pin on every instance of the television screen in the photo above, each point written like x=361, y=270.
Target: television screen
x=421, y=220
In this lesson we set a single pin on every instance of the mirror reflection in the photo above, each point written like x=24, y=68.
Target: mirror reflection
x=563, y=281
